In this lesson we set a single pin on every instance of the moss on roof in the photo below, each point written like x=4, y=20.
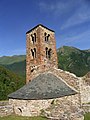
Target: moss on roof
x=44, y=86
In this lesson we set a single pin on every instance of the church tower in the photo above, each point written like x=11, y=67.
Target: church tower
x=41, y=52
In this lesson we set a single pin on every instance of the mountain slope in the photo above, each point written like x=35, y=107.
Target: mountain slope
x=18, y=67
x=6, y=60
x=74, y=60
x=9, y=82
x=69, y=59
x=16, y=63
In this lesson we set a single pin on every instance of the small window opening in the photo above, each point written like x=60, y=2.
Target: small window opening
x=32, y=70
x=20, y=110
x=48, y=37
x=33, y=53
x=45, y=35
x=49, y=54
x=46, y=52
x=33, y=38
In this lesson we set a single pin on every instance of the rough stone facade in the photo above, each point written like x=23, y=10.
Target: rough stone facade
x=5, y=108
x=29, y=107
x=85, y=90
x=41, y=51
x=64, y=108
x=68, y=106
x=86, y=108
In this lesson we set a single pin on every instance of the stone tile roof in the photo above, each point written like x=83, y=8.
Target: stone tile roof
x=44, y=86
x=38, y=26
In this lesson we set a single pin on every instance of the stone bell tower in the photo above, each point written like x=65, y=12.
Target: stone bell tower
x=41, y=51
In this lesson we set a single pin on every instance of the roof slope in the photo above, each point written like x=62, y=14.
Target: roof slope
x=44, y=86
x=38, y=26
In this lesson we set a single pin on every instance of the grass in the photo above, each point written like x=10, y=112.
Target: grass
x=87, y=116
x=14, y=117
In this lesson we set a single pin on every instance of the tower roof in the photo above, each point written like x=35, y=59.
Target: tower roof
x=38, y=26
x=44, y=86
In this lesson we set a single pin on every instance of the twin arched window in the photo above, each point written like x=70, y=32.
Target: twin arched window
x=46, y=36
x=48, y=52
x=33, y=53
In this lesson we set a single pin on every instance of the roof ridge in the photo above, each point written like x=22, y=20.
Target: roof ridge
x=38, y=26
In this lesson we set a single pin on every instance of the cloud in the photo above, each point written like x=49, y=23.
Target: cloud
x=81, y=15
x=59, y=7
x=73, y=12
x=77, y=38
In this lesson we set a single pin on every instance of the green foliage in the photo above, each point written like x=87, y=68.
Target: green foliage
x=87, y=116
x=14, y=117
x=74, y=60
x=9, y=82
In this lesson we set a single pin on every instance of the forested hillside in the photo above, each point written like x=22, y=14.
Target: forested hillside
x=16, y=63
x=74, y=60
x=18, y=67
x=9, y=82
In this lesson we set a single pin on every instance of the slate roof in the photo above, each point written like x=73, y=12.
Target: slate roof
x=38, y=26
x=44, y=86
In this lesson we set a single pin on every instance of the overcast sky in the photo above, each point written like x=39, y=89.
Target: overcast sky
x=70, y=19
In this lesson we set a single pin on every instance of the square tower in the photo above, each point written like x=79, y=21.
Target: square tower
x=41, y=52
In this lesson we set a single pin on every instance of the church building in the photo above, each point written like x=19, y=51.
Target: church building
x=48, y=89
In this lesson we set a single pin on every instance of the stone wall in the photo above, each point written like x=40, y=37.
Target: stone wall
x=70, y=79
x=29, y=107
x=85, y=90
x=86, y=108
x=40, y=62
x=5, y=108
x=65, y=108
x=82, y=85
x=68, y=106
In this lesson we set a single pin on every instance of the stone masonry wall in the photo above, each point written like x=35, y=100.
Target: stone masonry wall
x=68, y=77
x=65, y=108
x=5, y=108
x=85, y=91
x=68, y=106
x=40, y=61
x=29, y=107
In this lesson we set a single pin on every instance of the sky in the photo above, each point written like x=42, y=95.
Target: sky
x=70, y=19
